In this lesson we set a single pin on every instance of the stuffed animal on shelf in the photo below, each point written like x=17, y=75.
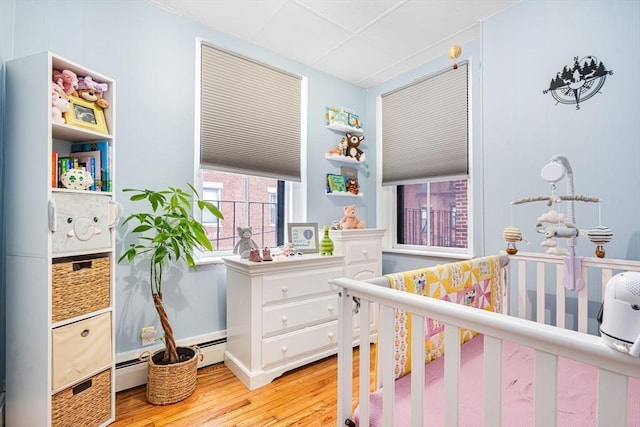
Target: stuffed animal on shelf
x=353, y=141
x=92, y=91
x=246, y=243
x=352, y=185
x=350, y=220
x=67, y=79
x=341, y=149
x=59, y=103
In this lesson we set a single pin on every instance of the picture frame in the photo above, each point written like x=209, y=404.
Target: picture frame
x=304, y=236
x=86, y=115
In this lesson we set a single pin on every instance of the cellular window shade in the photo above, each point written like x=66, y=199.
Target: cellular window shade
x=425, y=129
x=250, y=116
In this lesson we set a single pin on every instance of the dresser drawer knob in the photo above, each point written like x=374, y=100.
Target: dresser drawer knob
x=330, y=335
x=284, y=319
x=284, y=349
x=364, y=252
x=284, y=289
x=330, y=308
x=84, y=333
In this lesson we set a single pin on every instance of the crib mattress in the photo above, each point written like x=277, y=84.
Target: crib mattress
x=576, y=388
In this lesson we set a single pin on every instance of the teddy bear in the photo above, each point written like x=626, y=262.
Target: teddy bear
x=59, y=103
x=352, y=185
x=66, y=79
x=92, y=91
x=350, y=220
x=246, y=244
x=353, y=141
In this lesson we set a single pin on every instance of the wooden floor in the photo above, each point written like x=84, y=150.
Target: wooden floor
x=303, y=397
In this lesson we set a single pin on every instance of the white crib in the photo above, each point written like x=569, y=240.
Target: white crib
x=526, y=273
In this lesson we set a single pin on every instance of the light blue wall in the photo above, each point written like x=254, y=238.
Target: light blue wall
x=151, y=55
x=6, y=40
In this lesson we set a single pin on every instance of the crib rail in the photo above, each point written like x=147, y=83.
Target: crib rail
x=542, y=276
x=548, y=342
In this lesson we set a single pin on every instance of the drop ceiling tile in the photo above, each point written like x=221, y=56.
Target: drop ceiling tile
x=440, y=49
x=240, y=18
x=382, y=76
x=351, y=15
x=355, y=59
x=297, y=33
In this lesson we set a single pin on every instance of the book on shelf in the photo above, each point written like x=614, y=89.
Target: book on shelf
x=91, y=161
x=102, y=160
x=335, y=183
x=54, y=169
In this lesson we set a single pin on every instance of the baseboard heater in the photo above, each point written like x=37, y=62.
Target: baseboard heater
x=133, y=373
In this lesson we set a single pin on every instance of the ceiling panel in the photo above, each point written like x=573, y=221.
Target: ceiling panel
x=365, y=42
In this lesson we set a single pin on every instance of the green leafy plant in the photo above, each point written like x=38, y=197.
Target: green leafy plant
x=168, y=233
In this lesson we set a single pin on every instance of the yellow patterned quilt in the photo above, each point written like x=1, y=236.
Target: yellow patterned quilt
x=476, y=283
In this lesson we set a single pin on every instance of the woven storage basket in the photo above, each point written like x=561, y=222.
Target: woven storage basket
x=80, y=285
x=167, y=384
x=85, y=404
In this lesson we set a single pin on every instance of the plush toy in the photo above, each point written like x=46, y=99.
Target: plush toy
x=350, y=220
x=353, y=141
x=59, y=103
x=67, y=79
x=352, y=185
x=341, y=149
x=92, y=91
x=246, y=244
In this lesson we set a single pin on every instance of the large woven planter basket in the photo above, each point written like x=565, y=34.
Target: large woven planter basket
x=167, y=384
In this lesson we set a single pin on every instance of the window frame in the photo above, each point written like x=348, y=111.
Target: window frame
x=387, y=201
x=293, y=208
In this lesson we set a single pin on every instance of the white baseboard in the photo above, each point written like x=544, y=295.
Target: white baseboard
x=133, y=373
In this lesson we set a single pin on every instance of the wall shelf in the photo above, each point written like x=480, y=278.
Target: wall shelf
x=339, y=127
x=343, y=194
x=343, y=159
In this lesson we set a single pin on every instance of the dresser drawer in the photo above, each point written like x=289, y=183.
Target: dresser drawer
x=363, y=271
x=281, y=348
x=293, y=285
x=362, y=251
x=278, y=319
x=80, y=349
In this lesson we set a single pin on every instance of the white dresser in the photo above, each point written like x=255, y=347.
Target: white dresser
x=362, y=251
x=281, y=314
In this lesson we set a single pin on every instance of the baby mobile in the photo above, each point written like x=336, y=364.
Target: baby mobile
x=553, y=224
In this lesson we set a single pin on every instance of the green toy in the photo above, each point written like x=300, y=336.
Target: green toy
x=326, y=244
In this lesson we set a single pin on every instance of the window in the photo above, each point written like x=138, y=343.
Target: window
x=245, y=201
x=425, y=162
x=245, y=106
x=211, y=193
x=427, y=214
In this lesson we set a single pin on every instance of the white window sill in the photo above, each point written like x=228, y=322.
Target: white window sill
x=461, y=255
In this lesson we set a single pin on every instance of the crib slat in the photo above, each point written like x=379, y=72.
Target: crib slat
x=365, y=361
x=345, y=357
x=451, y=375
x=583, y=303
x=417, y=371
x=522, y=289
x=492, y=381
x=560, y=298
x=545, y=389
x=612, y=399
x=386, y=363
x=540, y=292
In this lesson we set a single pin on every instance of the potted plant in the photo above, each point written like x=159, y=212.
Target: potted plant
x=169, y=233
